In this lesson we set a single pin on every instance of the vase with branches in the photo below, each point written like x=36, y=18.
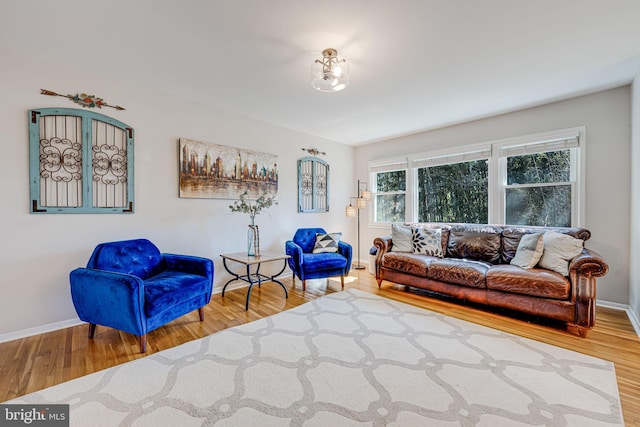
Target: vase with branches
x=253, y=207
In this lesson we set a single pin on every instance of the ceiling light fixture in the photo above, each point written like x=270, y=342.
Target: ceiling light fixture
x=331, y=73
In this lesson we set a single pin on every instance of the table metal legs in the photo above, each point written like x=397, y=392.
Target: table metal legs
x=254, y=278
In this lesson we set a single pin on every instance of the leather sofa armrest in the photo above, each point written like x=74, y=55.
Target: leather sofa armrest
x=189, y=264
x=383, y=245
x=589, y=263
x=583, y=271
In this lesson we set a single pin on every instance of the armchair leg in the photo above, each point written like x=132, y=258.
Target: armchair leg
x=92, y=330
x=201, y=313
x=143, y=343
x=342, y=281
x=304, y=285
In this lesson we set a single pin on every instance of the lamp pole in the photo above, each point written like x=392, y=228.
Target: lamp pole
x=358, y=266
x=361, y=203
x=363, y=196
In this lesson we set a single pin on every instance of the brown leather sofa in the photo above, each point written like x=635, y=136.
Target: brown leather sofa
x=476, y=267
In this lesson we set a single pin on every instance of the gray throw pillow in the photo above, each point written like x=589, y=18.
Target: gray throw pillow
x=559, y=249
x=529, y=250
x=401, y=238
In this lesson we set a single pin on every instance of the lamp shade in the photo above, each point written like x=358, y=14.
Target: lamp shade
x=351, y=210
x=366, y=194
x=361, y=203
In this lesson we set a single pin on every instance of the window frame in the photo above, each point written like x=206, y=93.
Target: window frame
x=497, y=166
x=540, y=143
x=388, y=165
x=449, y=156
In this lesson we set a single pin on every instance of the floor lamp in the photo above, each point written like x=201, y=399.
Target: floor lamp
x=354, y=211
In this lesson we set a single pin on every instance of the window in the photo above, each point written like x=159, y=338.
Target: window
x=540, y=183
x=390, y=187
x=530, y=180
x=80, y=162
x=450, y=189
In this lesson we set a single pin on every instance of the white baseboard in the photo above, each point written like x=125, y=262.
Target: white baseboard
x=627, y=309
x=50, y=327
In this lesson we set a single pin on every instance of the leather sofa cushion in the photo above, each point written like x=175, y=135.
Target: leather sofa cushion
x=478, y=242
x=463, y=272
x=510, y=241
x=535, y=282
x=415, y=264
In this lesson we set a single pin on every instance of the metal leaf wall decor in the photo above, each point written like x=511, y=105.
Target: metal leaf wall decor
x=84, y=100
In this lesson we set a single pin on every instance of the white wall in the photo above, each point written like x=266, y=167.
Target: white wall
x=634, y=291
x=606, y=116
x=39, y=251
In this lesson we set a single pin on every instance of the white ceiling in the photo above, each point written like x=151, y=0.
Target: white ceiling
x=415, y=64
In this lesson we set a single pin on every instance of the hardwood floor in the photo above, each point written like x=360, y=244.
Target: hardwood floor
x=40, y=361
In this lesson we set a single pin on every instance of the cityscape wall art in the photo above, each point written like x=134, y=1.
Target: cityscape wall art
x=212, y=171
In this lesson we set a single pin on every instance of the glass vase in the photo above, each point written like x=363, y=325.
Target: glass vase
x=251, y=241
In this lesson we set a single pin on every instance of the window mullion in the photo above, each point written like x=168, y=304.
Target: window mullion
x=539, y=184
x=411, y=196
x=497, y=180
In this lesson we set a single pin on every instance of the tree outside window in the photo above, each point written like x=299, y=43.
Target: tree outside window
x=455, y=192
x=539, y=189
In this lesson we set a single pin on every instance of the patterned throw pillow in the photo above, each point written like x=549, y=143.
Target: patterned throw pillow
x=427, y=241
x=402, y=238
x=327, y=242
x=529, y=250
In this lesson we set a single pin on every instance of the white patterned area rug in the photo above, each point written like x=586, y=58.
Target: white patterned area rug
x=349, y=359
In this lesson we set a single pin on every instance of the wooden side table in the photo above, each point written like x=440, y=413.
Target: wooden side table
x=256, y=277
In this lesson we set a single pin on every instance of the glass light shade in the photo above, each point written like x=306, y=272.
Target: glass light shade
x=351, y=211
x=361, y=203
x=331, y=73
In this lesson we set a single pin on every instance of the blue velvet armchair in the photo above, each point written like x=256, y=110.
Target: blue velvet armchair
x=308, y=265
x=129, y=285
